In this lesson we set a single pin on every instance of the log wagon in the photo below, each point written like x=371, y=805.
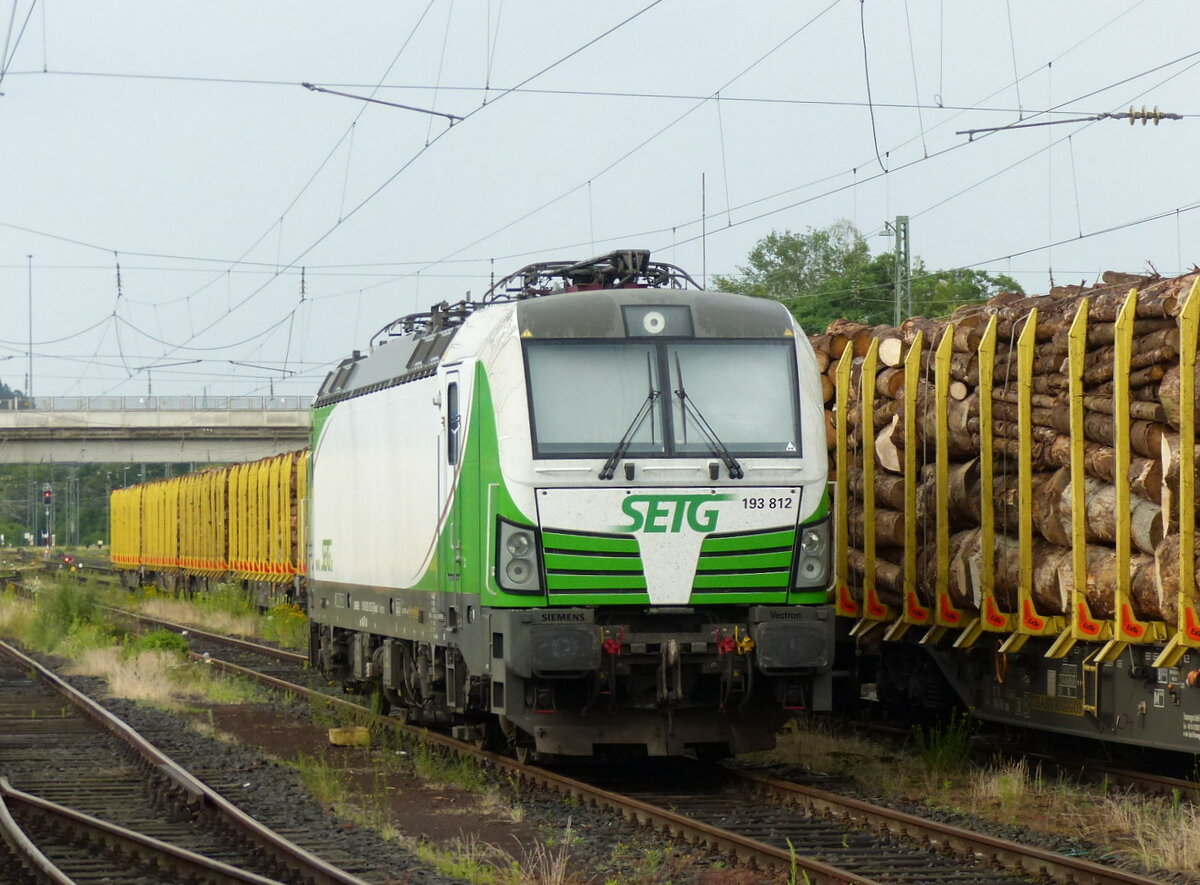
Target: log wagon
x=1016, y=507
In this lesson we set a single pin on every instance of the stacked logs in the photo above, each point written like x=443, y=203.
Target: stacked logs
x=1153, y=419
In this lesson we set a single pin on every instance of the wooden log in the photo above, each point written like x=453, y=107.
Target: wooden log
x=889, y=577
x=1141, y=411
x=887, y=453
x=889, y=489
x=891, y=350
x=889, y=526
x=1002, y=298
x=827, y=389
x=883, y=413
x=1050, y=595
x=968, y=332
x=890, y=383
x=1130, y=280
x=1098, y=368
x=1037, y=400
x=964, y=546
x=1100, y=517
x=1147, y=393
x=1052, y=453
x=1053, y=315
x=1171, y=467
x=1047, y=507
x=1098, y=427
x=1100, y=581
x=1148, y=603
x=1155, y=301
x=1159, y=596
x=1101, y=334
x=931, y=331
x=1168, y=395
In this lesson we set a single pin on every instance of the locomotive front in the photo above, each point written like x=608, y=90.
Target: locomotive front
x=632, y=543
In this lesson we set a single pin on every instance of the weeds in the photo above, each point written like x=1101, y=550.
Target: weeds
x=286, y=625
x=461, y=772
x=226, y=608
x=67, y=619
x=156, y=640
x=1005, y=786
x=945, y=747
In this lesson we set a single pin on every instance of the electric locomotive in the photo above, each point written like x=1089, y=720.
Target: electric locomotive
x=585, y=513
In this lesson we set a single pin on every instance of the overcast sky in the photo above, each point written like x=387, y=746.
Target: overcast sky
x=176, y=141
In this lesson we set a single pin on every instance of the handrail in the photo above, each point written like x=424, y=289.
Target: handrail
x=156, y=403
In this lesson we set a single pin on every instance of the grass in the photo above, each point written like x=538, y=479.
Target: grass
x=67, y=619
x=482, y=863
x=441, y=769
x=934, y=769
x=337, y=782
x=945, y=747
x=226, y=608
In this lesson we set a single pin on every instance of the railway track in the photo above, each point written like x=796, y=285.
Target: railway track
x=76, y=839
x=763, y=820
x=877, y=845
x=72, y=768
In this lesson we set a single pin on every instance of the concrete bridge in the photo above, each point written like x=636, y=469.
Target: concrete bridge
x=151, y=429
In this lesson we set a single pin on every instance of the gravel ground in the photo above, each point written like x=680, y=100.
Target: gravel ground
x=249, y=765
x=251, y=772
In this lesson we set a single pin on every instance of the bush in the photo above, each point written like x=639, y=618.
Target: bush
x=286, y=624
x=64, y=608
x=157, y=640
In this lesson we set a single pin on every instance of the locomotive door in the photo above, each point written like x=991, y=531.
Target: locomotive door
x=450, y=494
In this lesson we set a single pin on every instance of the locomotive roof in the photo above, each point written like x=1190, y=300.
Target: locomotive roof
x=601, y=314
x=594, y=303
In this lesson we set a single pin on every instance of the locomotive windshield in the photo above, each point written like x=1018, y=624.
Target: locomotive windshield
x=585, y=396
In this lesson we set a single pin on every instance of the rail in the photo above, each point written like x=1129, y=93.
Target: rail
x=1005, y=859
x=291, y=857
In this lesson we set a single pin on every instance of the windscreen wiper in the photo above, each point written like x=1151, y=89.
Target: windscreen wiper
x=647, y=409
x=718, y=447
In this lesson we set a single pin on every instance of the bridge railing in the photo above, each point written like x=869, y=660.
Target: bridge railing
x=157, y=403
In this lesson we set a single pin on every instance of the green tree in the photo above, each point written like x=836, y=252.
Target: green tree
x=828, y=273
x=8, y=393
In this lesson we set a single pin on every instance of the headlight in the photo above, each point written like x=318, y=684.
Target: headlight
x=812, y=560
x=812, y=542
x=518, y=543
x=519, y=571
x=517, y=558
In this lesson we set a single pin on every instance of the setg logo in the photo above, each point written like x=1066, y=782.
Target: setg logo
x=668, y=513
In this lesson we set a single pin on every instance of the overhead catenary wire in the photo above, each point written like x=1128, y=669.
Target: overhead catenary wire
x=1012, y=42
x=242, y=261
x=588, y=93
x=912, y=55
x=7, y=57
x=675, y=227
x=862, y=21
x=441, y=66
x=432, y=272
x=835, y=175
x=389, y=180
